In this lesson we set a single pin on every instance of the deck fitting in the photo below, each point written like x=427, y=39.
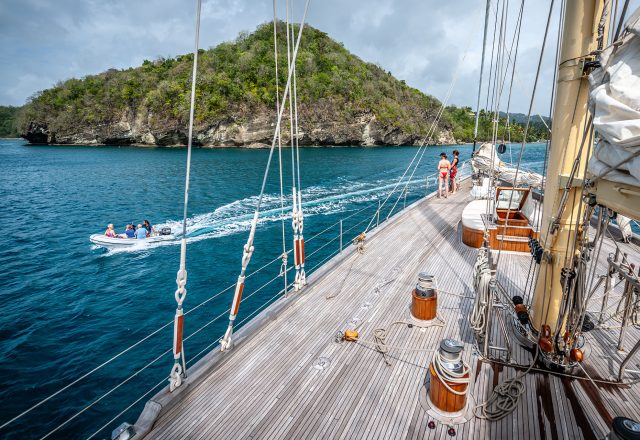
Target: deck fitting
x=322, y=363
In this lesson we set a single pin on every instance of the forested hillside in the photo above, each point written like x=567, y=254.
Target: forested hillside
x=342, y=100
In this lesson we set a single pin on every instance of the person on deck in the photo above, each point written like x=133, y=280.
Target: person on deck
x=110, y=232
x=454, y=171
x=141, y=232
x=148, y=227
x=443, y=176
x=129, y=232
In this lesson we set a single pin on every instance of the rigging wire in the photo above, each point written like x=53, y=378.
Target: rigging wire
x=621, y=22
x=495, y=104
x=282, y=215
x=484, y=46
x=297, y=215
x=516, y=42
x=533, y=95
x=153, y=361
x=178, y=371
x=495, y=25
x=249, y=248
x=539, y=207
x=505, y=396
x=423, y=144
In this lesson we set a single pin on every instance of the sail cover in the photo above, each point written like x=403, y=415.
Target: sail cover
x=614, y=101
x=486, y=159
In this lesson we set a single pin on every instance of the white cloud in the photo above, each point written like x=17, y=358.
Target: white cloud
x=420, y=41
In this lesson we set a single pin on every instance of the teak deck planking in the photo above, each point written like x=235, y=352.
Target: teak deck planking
x=268, y=387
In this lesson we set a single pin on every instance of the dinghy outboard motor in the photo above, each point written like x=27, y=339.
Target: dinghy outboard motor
x=623, y=428
x=165, y=231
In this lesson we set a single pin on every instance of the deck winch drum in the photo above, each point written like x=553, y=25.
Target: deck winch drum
x=449, y=377
x=623, y=428
x=424, y=298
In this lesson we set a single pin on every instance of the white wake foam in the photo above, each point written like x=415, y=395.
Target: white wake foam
x=235, y=217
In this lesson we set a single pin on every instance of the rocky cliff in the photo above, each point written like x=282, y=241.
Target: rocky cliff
x=342, y=100
x=256, y=132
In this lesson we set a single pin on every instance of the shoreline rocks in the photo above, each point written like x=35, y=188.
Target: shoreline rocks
x=257, y=132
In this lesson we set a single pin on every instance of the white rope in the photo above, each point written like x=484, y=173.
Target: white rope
x=178, y=369
x=380, y=336
x=297, y=214
x=447, y=376
x=505, y=396
x=248, y=247
x=481, y=285
x=283, y=256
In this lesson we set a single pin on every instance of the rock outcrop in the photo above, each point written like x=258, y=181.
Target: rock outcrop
x=254, y=132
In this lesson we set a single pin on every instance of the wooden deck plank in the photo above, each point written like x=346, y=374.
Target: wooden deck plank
x=268, y=387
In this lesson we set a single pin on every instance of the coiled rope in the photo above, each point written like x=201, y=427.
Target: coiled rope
x=381, y=334
x=505, y=396
x=447, y=376
x=481, y=285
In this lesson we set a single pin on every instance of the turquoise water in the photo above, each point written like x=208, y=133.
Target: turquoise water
x=68, y=307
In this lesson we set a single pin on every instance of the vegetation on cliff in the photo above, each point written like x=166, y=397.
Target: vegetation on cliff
x=236, y=81
x=8, y=122
x=463, y=121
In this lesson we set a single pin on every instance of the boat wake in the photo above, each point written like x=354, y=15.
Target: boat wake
x=235, y=217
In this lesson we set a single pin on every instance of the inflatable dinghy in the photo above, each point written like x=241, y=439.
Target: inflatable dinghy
x=118, y=242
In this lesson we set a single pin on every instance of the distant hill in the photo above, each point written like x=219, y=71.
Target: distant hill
x=342, y=100
x=462, y=120
x=8, y=123
x=521, y=118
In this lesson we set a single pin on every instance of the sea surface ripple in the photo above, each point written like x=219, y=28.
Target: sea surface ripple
x=69, y=306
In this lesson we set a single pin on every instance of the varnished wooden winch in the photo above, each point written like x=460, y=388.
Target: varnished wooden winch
x=449, y=381
x=424, y=298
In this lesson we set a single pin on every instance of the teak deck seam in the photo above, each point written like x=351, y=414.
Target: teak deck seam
x=267, y=387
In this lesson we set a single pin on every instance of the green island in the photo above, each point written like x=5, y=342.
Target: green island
x=342, y=100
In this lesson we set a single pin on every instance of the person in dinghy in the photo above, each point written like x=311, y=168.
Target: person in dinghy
x=141, y=232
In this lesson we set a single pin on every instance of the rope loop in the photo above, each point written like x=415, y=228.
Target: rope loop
x=303, y=277
x=300, y=221
x=246, y=255
x=283, y=266
x=295, y=222
x=181, y=291
x=176, y=377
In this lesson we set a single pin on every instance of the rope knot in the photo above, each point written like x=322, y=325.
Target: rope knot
x=283, y=266
x=176, y=377
x=181, y=291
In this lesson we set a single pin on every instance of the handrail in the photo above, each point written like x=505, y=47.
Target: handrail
x=340, y=234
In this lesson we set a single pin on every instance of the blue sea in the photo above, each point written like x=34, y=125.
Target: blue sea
x=68, y=307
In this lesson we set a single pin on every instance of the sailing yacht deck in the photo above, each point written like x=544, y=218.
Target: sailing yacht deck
x=291, y=379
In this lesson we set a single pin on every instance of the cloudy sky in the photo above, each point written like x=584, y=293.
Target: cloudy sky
x=421, y=41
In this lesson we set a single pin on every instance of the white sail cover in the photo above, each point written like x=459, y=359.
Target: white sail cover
x=486, y=159
x=614, y=101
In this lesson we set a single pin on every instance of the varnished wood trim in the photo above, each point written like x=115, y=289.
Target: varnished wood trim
x=472, y=237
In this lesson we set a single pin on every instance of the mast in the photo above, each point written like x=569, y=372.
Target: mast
x=579, y=36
